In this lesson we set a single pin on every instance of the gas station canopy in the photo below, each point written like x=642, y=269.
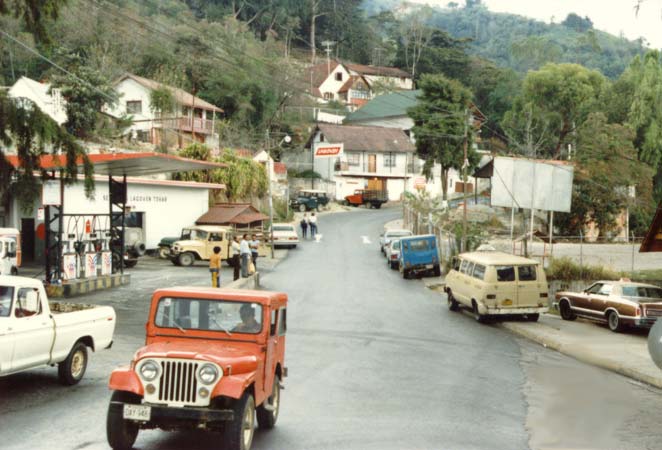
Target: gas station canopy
x=128, y=164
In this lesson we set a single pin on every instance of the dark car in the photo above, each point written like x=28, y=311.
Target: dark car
x=309, y=199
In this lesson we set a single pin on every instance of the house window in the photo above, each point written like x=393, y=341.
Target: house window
x=338, y=76
x=353, y=159
x=328, y=96
x=389, y=160
x=134, y=107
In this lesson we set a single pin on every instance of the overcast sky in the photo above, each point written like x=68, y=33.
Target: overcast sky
x=613, y=16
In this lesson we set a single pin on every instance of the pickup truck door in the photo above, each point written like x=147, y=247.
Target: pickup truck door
x=6, y=344
x=32, y=329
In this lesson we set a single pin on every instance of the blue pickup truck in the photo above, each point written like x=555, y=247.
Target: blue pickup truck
x=418, y=254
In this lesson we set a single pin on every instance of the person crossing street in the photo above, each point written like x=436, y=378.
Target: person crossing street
x=304, y=226
x=245, y=251
x=215, y=267
x=235, y=251
x=312, y=222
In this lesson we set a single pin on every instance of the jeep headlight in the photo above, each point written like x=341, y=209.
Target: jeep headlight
x=148, y=370
x=208, y=374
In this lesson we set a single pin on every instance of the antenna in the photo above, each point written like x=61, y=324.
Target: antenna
x=328, y=45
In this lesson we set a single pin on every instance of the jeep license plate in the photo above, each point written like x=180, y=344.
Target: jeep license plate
x=428, y=266
x=137, y=412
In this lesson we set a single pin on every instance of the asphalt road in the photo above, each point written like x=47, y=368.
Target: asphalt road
x=376, y=362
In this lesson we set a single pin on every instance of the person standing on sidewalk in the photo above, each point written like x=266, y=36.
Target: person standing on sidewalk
x=245, y=251
x=254, y=244
x=313, y=225
x=215, y=267
x=304, y=226
x=235, y=250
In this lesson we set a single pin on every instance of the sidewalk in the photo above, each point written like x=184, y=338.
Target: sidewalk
x=625, y=353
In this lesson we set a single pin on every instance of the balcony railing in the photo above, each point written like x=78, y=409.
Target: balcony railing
x=189, y=124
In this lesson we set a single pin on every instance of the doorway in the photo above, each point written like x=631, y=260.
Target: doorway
x=27, y=239
x=372, y=163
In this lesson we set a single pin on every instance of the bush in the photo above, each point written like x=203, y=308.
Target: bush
x=567, y=269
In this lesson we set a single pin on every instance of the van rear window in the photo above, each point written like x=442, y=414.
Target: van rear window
x=505, y=273
x=419, y=245
x=479, y=272
x=527, y=273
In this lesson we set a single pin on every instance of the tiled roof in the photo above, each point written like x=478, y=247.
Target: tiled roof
x=377, y=70
x=386, y=105
x=181, y=96
x=360, y=138
x=231, y=214
x=319, y=73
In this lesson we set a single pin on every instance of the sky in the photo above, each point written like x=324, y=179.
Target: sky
x=613, y=16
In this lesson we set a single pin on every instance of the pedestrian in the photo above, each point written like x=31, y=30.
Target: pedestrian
x=304, y=226
x=313, y=225
x=245, y=251
x=254, y=244
x=215, y=267
x=235, y=250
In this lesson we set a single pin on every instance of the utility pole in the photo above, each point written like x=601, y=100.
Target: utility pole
x=328, y=45
x=465, y=166
x=271, y=199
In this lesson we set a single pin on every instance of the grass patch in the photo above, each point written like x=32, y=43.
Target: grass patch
x=566, y=269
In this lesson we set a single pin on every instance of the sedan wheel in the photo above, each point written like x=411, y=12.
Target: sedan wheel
x=614, y=322
x=566, y=312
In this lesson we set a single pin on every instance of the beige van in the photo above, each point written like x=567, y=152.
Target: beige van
x=495, y=283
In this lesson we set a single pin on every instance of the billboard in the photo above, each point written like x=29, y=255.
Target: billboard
x=530, y=183
x=328, y=150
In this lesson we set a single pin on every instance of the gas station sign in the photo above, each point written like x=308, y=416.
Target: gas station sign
x=328, y=150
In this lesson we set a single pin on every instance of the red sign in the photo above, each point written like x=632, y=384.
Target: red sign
x=328, y=150
x=419, y=183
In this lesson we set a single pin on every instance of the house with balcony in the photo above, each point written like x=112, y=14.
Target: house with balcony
x=354, y=84
x=371, y=157
x=191, y=118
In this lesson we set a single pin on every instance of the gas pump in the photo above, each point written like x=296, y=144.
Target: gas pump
x=70, y=261
x=8, y=265
x=90, y=256
x=106, y=256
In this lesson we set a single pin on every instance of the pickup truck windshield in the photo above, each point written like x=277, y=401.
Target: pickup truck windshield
x=6, y=296
x=209, y=315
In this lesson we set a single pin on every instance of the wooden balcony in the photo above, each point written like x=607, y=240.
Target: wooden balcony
x=187, y=124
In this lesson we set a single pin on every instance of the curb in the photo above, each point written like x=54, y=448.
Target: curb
x=253, y=281
x=594, y=360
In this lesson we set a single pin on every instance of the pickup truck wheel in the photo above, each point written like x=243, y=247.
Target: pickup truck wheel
x=405, y=274
x=302, y=208
x=121, y=434
x=72, y=369
x=565, y=310
x=480, y=318
x=240, y=431
x=453, y=305
x=186, y=259
x=131, y=263
x=267, y=413
x=614, y=322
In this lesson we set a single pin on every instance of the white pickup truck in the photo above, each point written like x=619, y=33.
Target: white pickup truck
x=36, y=333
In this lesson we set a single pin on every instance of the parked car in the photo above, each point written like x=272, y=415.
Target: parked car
x=213, y=359
x=386, y=237
x=198, y=244
x=285, y=235
x=419, y=254
x=372, y=198
x=37, y=333
x=309, y=199
x=392, y=251
x=619, y=304
x=495, y=283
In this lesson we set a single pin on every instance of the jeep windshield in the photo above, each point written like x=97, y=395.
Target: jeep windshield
x=209, y=315
x=189, y=234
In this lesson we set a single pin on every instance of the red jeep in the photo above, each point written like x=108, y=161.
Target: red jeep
x=213, y=359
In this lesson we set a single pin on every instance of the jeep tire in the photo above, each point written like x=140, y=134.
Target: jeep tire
x=267, y=412
x=240, y=431
x=186, y=259
x=71, y=370
x=121, y=434
x=302, y=208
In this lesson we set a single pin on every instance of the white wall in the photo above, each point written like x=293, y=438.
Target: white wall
x=51, y=103
x=398, y=83
x=130, y=90
x=330, y=85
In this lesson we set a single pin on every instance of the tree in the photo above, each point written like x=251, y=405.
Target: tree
x=415, y=37
x=441, y=124
x=35, y=14
x=575, y=22
x=162, y=103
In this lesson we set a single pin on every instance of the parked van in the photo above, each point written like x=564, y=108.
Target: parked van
x=419, y=254
x=495, y=283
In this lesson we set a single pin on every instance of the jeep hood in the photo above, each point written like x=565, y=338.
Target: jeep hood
x=224, y=353
x=189, y=243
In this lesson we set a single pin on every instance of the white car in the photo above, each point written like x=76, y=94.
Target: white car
x=285, y=235
x=389, y=235
x=392, y=251
x=37, y=333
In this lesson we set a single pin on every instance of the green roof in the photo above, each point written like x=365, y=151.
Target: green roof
x=385, y=105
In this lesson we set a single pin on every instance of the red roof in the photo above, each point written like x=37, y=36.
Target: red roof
x=231, y=214
x=280, y=168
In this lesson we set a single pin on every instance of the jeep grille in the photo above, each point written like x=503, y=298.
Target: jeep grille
x=178, y=383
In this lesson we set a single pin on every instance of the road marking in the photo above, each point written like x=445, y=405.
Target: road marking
x=318, y=237
x=366, y=240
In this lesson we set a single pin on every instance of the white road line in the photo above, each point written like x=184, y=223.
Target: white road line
x=366, y=240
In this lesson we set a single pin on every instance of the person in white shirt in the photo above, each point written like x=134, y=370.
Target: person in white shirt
x=235, y=251
x=245, y=251
x=312, y=222
x=254, y=244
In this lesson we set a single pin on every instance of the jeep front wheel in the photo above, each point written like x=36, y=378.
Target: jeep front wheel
x=302, y=208
x=121, y=434
x=186, y=259
x=267, y=412
x=240, y=431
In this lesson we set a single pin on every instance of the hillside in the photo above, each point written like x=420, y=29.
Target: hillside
x=521, y=43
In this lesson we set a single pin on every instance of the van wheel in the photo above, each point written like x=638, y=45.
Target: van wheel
x=267, y=413
x=453, y=305
x=437, y=270
x=532, y=317
x=121, y=434
x=614, y=322
x=566, y=311
x=186, y=259
x=240, y=431
x=71, y=370
x=480, y=318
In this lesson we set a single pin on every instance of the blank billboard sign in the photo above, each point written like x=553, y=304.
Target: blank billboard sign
x=527, y=183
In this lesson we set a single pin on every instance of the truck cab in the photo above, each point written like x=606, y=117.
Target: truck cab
x=214, y=359
x=419, y=254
